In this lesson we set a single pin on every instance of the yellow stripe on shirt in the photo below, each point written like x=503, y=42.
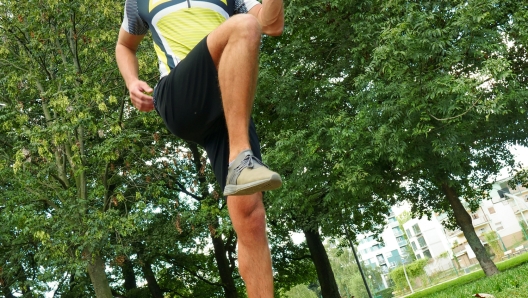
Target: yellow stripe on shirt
x=183, y=29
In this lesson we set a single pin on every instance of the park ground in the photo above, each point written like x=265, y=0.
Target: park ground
x=510, y=283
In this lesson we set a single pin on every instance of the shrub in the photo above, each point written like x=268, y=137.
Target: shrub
x=387, y=293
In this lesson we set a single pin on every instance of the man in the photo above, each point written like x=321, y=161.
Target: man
x=208, y=60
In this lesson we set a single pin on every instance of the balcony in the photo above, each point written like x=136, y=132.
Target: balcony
x=441, y=217
x=397, y=233
x=393, y=224
x=459, y=250
x=402, y=243
x=454, y=233
x=480, y=221
x=520, y=208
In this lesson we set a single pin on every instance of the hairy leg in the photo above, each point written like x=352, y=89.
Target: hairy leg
x=234, y=47
x=248, y=216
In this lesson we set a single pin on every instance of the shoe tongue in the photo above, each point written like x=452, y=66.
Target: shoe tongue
x=241, y=156
x=245, y=153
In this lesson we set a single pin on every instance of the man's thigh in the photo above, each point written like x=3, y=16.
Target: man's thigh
x=188, y=99
x=238, y=25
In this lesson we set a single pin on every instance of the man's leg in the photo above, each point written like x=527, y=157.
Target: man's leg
x=247, y=215
x=234, y=47
x=254, y=261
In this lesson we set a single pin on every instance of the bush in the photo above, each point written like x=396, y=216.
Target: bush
x=415, y=269
x=387, y=293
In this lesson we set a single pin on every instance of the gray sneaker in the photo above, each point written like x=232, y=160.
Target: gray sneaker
x=248, y=175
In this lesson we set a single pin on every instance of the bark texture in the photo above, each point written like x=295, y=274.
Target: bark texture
x=325, y=274
x=129, y=275
x=464, y=221
x=96, y=270
x=226, y=273
x=152, y=283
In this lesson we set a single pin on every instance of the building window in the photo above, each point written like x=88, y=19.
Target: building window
x=427, y=254
x=408, y=233
x=397, y=231
x=413, y=245
x=418, y=256
x=416, y=229
x=475, y=216
x=381, y=259
x=421, y=242
x=491, y=210
x=374, y=247
x=384, y=268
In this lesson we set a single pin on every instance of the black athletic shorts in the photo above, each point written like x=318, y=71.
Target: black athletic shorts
x=188, y=99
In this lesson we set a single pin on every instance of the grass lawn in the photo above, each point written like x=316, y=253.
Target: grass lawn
x=512, y=282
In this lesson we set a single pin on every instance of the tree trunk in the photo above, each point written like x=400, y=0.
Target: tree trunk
x=464, y=221
x=152, y=283
x=96, y=270
x=226, y=276
x=325, y=274
x=128, y=273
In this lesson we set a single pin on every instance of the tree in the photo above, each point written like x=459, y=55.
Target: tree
x=377, y=100
x=312, y=67
x=71, y=158
x=442, y=99
x=347, y=274
x=300, y=291
x=90, y=185
x=331, y=183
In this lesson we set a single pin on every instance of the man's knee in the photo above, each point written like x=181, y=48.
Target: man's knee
x=248, y=27
x=253, y=225
x=248, y=214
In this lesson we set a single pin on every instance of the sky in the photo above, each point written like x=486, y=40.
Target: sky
x=521, y=155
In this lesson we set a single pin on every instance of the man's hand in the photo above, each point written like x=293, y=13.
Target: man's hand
x=140, y=100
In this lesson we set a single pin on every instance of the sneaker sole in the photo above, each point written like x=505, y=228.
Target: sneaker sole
x=250, y=188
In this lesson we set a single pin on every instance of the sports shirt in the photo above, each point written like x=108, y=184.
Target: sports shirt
x=178, y=25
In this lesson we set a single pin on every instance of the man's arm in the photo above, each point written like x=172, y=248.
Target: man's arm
x=127, y=62
x=270, y=15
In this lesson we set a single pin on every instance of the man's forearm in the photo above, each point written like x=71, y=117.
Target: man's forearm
x=127, y=63
x=271, y=17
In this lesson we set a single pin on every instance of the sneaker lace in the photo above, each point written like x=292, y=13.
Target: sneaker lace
x=247, y=162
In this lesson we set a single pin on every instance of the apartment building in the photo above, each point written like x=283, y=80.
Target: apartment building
x=386, y=252
x=428, y=238
x=502, y=214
